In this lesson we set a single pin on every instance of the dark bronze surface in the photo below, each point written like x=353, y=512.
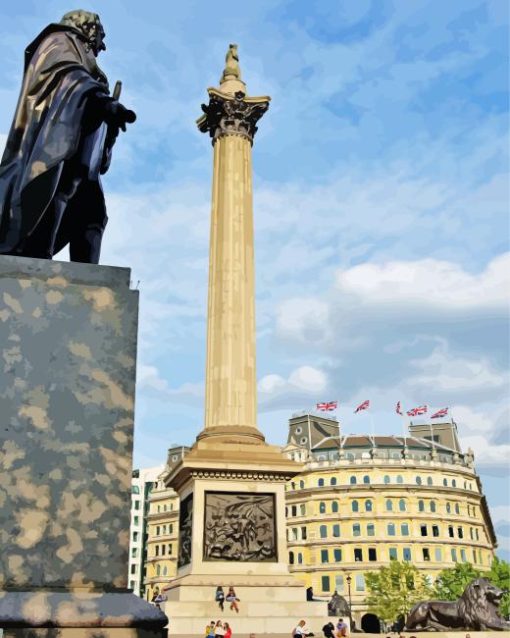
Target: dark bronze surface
x=239, y=527
x=476, y=610
x=61, y=138
x=185, y=531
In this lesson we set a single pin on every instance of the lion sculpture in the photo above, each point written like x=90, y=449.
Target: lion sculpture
x=476, y=610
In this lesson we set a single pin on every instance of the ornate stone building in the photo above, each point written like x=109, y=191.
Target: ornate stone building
x=363, y=501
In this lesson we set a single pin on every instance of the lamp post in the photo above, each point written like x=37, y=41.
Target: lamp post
x=349, y=579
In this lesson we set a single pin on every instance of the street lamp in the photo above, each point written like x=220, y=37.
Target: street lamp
x=349, y=579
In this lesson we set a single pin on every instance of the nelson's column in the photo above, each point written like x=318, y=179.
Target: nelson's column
x=231, y=484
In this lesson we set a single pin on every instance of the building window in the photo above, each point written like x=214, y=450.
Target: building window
x=355, y=506
x=324, y=556
x=450, y=531
x=322, y=507
x=300, y=558
x=360, y=582
x=158, y=530
x=400, y=479
x=293, y=510
x=454, y=555
x=301, y=485
x=131, y=584
x=386, y=479
x=368, y=506
x=135, y=489
x=302, y=509
x=438, y=555
x=337, y=553
x=163, y=550
x=418, y=480
x=334, y=507
x=463, y=555
x=372, y=554
x=291, y=558
x=432, y=506
x=404, y=529
x=406, y=553
x=165, y=570
x=320, y=482
x=353, y=480
x=457, y=509
x=135, y=537
x=325, y=584
x=133, y=569
x=356, y=529
x=389, y=505
x=445, y=482
x=448, y=508
x=299, y=430
x=303, y=533
x=423, y=530
x=136, y=520
x=323, y=531
x=339, y=583
x=454, y=483
x=402, y=505
x=169, y=549
x=358, y=554
x=460, y=532
x=158, y=570
x=435, y=530
x=429, y=480
x=336, y=531
x=366, y=479
x=393, y=553
x=391, y=529
x=370, y=529
x=156, y=550
x=333, y=481
x=474, y=556
x=134, y=552
x=137, y=505
x=426, y=553
x=476, y=534
x=421, y=506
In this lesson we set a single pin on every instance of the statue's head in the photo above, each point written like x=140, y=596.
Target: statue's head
x=89, y=25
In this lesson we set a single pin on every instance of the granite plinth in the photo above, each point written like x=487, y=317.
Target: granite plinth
x=68, y=335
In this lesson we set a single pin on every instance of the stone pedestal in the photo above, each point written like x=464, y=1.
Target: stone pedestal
x=68, y=353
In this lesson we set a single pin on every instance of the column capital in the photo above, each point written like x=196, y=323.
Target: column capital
x=232, y=114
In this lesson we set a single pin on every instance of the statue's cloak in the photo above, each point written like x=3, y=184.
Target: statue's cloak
x=51, y=122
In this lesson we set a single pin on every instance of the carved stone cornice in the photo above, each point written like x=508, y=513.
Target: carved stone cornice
x=232, y=115
x=241, y=475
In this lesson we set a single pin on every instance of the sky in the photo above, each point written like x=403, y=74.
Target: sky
x=380, y=208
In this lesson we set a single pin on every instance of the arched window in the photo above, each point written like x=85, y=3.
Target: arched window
x=389, y=505
x=300, y=558
x=418, y=480
x=448, y=508
x=353, y=480
x=445, y=482
x=368, y=506
x=457, y=508
x=301, y=485
x=465, y=485
x=400, y=479
x=158, y=570
x=320, y=482
x=421, y=506
x=302, y=509
x=355, y=506
x=429, y=480
x=391, y=529
x=366, y=479
x=454, y=483
x=334, y=507
x=333, y=481
x=386, y=479
x=322, y=507
x=291, y=558
x=323, y=531
x=432, y=506
x=165, y=570
x=402, y=505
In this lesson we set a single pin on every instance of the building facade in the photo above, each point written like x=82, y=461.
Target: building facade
x=363, y=501
x=142, y=482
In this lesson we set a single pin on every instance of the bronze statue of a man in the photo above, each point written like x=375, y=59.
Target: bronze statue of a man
x=60, y=142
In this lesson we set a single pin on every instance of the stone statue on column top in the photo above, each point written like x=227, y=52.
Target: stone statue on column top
x=61, y=139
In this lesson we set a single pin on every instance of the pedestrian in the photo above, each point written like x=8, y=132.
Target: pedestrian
x=329, y=630
x=301, y=631
x=209, y=630
x=228, y=630
x=219, y=631
x=232, y=599
x=220, y=597
x=341, y=628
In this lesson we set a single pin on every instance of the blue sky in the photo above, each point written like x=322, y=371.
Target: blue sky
x=381, y=207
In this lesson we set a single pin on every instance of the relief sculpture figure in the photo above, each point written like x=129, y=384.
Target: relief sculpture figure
x=60, y=141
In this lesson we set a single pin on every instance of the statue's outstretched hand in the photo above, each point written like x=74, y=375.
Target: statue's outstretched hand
x=116, y=114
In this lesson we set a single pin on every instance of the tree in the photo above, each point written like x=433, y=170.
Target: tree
x=451, y=583
x=499, y=575
x=395, y=589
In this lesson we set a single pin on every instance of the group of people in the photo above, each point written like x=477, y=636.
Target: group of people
x=301, y=630
x=330, y=631
x=218, y=629
x=231, y=598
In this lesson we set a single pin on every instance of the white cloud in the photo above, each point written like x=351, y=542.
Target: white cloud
x=303, y=384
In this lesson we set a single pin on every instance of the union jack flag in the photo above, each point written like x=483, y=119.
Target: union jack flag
x=439, y=413
x=422, y=409
x=362, y=406
x=398, y=409
x=327, y=407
